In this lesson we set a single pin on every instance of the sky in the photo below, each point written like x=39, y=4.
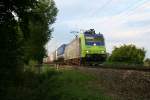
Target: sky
x=120, y=21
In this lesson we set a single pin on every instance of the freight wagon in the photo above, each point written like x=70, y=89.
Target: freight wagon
x=50, y=59
x=60, y=53
x=72, y=52
x=53, y=56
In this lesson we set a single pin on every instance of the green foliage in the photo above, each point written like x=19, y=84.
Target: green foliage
x=129, y=54
x=25, y=27
x=55, y=85
x=11, y=35
x=147, y=62
x=39, y=27
x=74, y=85
x=10, y=40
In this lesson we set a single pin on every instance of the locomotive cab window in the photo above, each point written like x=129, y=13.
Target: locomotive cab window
x=94, y=40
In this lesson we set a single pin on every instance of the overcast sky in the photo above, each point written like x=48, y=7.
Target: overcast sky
x=121, y=21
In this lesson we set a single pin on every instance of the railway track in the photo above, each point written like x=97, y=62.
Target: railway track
x=142, y=68
x=115, y=67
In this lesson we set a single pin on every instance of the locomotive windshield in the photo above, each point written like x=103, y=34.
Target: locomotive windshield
x=94, y=40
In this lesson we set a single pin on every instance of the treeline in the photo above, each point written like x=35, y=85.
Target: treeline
x=128, y=54
x=25, y=28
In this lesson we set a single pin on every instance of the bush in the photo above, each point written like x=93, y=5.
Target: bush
x=147, y=62
x=128, y=54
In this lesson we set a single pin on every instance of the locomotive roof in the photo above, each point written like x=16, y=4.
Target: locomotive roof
x=91, y=32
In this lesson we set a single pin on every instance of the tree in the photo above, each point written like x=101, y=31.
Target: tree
x=128, y=54
x=39, y=27
x=11, y=35
x=24, y=24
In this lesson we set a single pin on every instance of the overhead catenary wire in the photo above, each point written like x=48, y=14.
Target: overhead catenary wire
x=100, y=8
x=93, y=13
x=122, y=14
x=129, y=13
x=129, y=9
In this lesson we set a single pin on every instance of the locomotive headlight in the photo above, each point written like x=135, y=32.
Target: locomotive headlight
x=87, y=51
x=102, y=51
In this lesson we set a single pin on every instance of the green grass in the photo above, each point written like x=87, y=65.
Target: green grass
x=74, y=85
x=54, y=84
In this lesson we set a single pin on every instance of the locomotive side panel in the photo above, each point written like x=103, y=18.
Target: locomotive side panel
x=72, y=50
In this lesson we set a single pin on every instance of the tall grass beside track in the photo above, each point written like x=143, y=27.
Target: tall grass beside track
x=52, y=84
